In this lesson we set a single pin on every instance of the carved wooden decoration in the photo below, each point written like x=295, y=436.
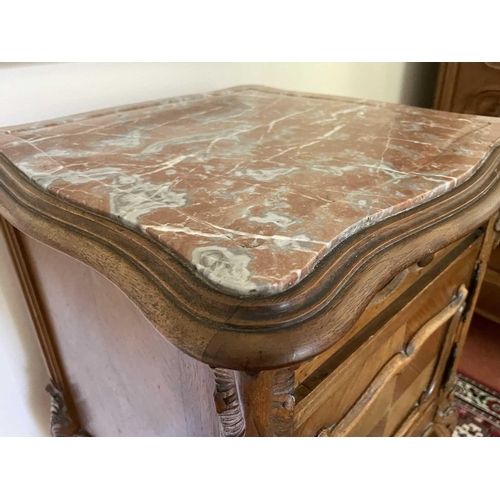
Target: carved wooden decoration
x=484, y=103
x=393, y=285
x=228, y=403
x=61, y=424
x=446, y=416
x=469, y=87
x=282, y=403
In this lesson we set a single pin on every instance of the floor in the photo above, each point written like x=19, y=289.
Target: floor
x=480, y=359
x=478, y=409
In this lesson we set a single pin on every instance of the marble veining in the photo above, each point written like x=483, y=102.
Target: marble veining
x=251, y=186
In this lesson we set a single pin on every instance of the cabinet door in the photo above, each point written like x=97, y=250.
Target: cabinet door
x=398, y=368
x=406, y=378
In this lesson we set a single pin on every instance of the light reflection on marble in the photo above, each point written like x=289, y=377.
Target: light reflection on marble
x=251, y=186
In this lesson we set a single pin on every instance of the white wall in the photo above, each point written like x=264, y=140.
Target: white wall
x=32, y=92
x=38, y=91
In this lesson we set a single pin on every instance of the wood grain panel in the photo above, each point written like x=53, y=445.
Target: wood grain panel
x=488, y=302
x=421, y=420
x=323, y=399
x=494, y=262
x=125, y=378
x=469, y=87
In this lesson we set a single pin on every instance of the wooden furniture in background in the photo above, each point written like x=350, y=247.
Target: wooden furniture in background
x=474, y=88
x=156, y=311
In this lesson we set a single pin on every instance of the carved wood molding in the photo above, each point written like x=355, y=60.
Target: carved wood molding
x=61, y=424
x=33, y=302
x=445, y=88
x=446, y=417
x=251, y=334
x=486, y=102
x=228, y=403
x=282, y=403
x=42, y=330
x=394, y=284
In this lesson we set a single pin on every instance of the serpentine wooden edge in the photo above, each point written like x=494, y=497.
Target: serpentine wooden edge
x=251, y=333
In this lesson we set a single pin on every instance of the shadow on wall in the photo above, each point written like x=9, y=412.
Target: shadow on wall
x=22, y=368
x=419, y=83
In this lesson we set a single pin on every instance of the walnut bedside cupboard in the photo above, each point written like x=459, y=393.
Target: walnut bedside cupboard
x=252, y=262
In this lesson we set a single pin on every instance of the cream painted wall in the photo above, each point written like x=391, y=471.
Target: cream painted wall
x=32, y=92
x=39, y=91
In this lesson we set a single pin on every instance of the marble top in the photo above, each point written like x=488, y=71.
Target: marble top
x=251, y=186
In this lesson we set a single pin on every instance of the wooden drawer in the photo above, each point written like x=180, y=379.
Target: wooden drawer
x=422, y=421
x=383, y=300
x=396, y=361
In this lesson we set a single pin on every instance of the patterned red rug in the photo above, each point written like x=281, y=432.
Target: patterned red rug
x=478, y=409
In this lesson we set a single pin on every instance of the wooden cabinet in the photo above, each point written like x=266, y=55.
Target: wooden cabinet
x=252, y=262
x=469, y=87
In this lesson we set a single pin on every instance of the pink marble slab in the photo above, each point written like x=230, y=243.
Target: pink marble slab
x=251, y=186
